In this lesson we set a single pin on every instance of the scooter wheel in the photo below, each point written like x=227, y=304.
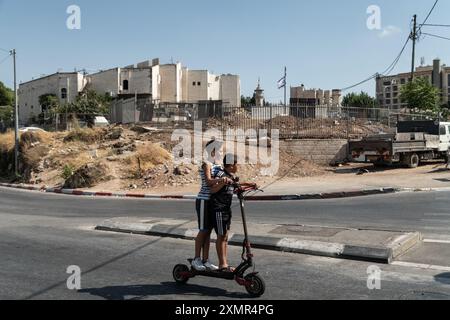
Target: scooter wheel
x=177, y=274
x=257, y=287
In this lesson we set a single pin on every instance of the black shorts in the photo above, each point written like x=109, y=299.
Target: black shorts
x=221, y=221
x=204, y=223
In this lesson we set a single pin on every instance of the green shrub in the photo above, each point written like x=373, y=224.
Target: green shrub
x=67, y=172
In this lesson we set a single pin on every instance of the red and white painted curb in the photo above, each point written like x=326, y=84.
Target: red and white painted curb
x=319, y=196
x=92, y=193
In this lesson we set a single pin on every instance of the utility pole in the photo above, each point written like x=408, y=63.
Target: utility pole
x=68, y=102
x=16, y=117
x=414, y=38
x=285, y=85
x=135, y=105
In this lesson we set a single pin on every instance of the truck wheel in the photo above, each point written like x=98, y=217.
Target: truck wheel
x=412, y=160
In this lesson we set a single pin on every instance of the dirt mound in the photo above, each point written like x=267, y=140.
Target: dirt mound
x=85, y=135
x=88, y=176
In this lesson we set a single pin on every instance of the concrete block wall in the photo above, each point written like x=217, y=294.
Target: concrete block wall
x=326, y=152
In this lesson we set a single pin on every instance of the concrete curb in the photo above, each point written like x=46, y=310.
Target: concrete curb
x=318, y=196
x=386, y=254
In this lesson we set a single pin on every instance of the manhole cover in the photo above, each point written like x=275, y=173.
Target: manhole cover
x=306, y=231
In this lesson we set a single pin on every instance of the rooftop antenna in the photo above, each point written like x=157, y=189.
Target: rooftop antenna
x=422, y=61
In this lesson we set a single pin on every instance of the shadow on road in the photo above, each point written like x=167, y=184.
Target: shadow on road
x=443, y=278
x=139, y=292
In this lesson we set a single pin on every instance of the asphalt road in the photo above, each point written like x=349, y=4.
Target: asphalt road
x=427, y=212
x=41, y=235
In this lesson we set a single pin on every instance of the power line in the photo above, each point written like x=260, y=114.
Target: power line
x=436, y=25
x=428, y=16
x=387, y=71
x=4, y=60
x=8, y=51
x=435, y=35
x=397, y=59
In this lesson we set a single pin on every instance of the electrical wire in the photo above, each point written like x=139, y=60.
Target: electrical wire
x=435, y=35
x=428, y=16
x=4, y=60
x=436, y=25
x=387, y=71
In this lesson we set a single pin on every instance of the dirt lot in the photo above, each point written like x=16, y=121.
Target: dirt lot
x=122, y=158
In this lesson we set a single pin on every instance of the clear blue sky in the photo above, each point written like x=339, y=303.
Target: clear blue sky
x=323, y=43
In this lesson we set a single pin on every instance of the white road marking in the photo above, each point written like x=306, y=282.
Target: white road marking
x=420, y=266
x=436, y=241
x=436, y=220
x=437, y=214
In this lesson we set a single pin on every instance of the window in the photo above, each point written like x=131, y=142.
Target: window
x=442, y=130
x=388, y=95
x=388, y=101
x=194, y=83
x=395, y=88
x=403, y=81
x=63, y=93
x=199, y=83
x=125, y=84
x=395, y=101
x=387, y=83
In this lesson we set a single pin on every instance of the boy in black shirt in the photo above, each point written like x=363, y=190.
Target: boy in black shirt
x=220, y=206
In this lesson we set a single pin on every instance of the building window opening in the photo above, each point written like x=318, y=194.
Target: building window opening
x=64, y=93
x=125, y=85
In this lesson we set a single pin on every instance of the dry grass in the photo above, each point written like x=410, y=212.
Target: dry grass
x=85, y=135
x=6, y=142
x=28, y=139
x=147, y=157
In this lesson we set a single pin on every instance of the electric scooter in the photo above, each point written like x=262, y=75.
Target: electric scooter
x=252, y=282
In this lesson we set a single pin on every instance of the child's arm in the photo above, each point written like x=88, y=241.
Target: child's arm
x=210, y=181
x=219, y=185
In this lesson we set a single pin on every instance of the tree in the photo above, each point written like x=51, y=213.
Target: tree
x=421, y=96
x=6, y=115
x=359, y=100
x=88, y=103
x=87, y=106
x=6, y=95
x=49, y=103
x=248, y=101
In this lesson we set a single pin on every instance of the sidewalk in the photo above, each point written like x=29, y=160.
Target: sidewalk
x=369, y=245
x=433, y=176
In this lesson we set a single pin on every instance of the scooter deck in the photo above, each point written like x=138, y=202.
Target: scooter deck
x=212, y=274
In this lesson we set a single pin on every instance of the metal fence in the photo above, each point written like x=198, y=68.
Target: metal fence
x=293, y=122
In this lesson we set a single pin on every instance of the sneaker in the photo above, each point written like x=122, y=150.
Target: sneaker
x=209, y=266
x=197, y=264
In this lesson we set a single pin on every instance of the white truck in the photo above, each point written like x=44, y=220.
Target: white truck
x=414, y=141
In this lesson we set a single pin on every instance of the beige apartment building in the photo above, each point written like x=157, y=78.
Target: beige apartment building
x=315, y=97
x=388, y=88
